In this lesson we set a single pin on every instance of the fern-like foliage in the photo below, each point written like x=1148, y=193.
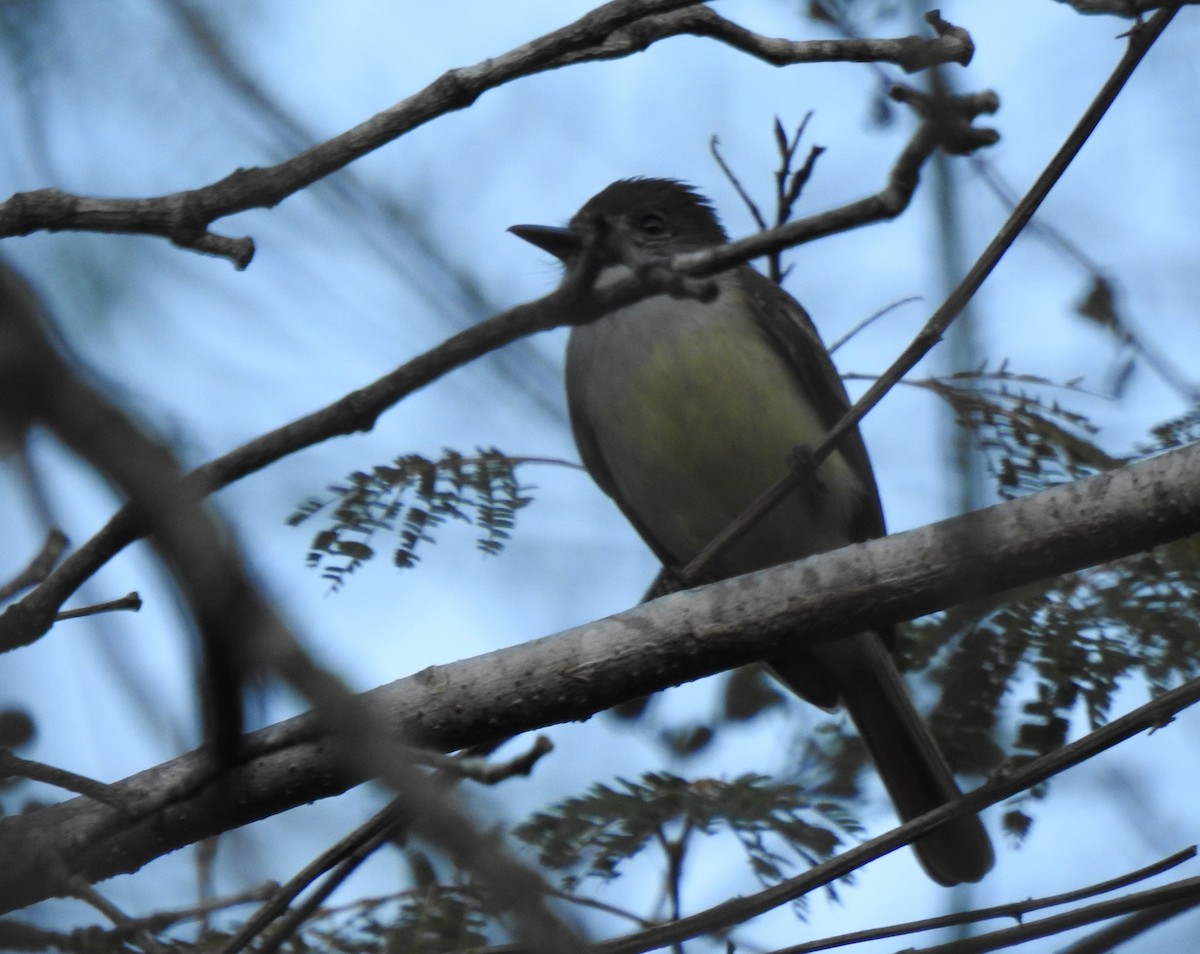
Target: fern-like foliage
x=1064, y=645
x=592, y=835
x=1078, y=636
x=1030, y=444
x=413, y=496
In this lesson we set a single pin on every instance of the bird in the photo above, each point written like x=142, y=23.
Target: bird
x=685, y=410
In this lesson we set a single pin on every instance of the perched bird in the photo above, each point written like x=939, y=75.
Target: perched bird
x=685, y=411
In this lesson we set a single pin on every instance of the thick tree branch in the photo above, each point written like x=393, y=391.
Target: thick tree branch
x=677, y=638
x=613, y=30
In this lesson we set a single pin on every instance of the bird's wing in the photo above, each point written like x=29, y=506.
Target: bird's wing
x=787, y=324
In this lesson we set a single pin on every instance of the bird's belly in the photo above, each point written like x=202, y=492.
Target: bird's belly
x=703, y=418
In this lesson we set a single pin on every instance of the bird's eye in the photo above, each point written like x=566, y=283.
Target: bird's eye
x=652, y=224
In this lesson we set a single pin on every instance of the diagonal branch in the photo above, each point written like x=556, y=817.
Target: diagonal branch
x=1171, y=899
x=613, y=30
x=1140, y=41
x=680, y=637
x=1016, y=910
x=29, y=619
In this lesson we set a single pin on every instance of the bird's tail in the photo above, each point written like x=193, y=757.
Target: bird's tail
x=913, y=770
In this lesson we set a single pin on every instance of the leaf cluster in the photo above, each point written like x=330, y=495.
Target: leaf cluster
x=1063, y=645
x=412, y=497
x=590, y=836
x=1028, y=442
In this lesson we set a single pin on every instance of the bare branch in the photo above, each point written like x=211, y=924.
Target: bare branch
x=130, y=601
x=18, y=936
x=79, y=888
x=868, y=321
x=613, y=30
x=886, y=204
x=1106, y=940
x=241, y=634
x=1014, y=909
x=485, y=773
x=1102, y=303
x=1180, y=893
x=13, y=766
x=372, y=834
x=384, y=825
x=914, y=53
x=789, y=183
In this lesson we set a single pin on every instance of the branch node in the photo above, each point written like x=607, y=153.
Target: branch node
x=187, y=227
x=240, y=251
x=945, y=30
x=951, y=117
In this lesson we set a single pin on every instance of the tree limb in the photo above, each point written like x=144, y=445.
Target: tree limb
x=575, y=301
x=680, y=637
x=613, y=30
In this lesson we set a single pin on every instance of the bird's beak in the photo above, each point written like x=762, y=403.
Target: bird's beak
x=563, y=244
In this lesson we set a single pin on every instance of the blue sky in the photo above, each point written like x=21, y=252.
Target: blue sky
x=114, y=101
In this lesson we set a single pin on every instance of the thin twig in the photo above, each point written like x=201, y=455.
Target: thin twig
x=1140, y=41
x=387, y=823
x=1101, y=283
x=161, y=920
x=869, y=320
x=13, y=766
x=1176, y=893
x=130, y=601
x=714, y=148
x=80, y=888
x=38, y=567
x=384, y=825
x=1106, y=940
x=290, y=923
x=597, y=905
x=1014, y=909
x=487, y=773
